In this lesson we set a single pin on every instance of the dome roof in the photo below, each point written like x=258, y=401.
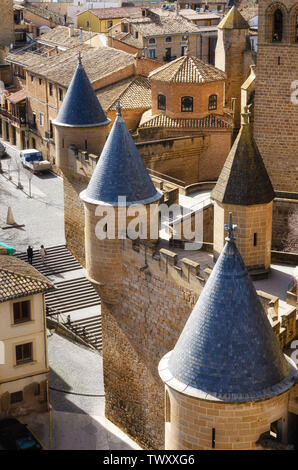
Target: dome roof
x=120, y=171
x=227, y=350
x=80, y=107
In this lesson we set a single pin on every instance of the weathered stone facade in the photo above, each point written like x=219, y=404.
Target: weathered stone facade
x=6, y=24
x=276, y=109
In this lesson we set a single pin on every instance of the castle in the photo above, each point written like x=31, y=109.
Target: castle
x=160, y=308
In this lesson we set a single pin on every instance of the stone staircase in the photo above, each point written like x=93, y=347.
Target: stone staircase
x=58, y=260
x=71, y=295
x=89, y=330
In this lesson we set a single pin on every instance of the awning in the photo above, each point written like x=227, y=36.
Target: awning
x=17, y=97
x=9, y=249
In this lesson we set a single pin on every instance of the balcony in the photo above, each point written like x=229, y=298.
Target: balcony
x=19, y=120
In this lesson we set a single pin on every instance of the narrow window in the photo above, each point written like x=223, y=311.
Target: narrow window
x=161, y=102
x=187, y=104
x=296, y=29
x=40, y=81
x=32, y=78
x=212, y=102
x=37, y=390
x=21, y=311
x=63, y=143
x=24, y=353
x=60, y=94
x=51, y=130
x=16, y=397
x=213, y=438
x=51, y=89
x=41, y=119
x=168, y=408
x=86, y=144
x=277, y=26
x=255, y=239
x=137, y=34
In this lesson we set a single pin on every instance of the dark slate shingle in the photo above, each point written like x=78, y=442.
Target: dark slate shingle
x=227, y=345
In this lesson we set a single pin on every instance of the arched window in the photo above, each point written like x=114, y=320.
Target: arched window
x=187, y=104
x=212, y=102
x=161, y=102
x=296, y=29
x=277, y=26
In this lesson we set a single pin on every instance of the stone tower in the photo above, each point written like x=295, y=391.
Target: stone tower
x=233, y=56
x=227, y=390
x=276, y=98
x=244, y=188
x=81, y=124
x=120, y=172
x=6, y=24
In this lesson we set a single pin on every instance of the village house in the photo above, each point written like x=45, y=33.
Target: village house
x=158, y=34
x=24, y=367
x=100, y=20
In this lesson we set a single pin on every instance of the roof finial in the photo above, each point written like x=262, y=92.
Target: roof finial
x=80, y=58
x=118, y=107
x=245, y=117
x=230, y=227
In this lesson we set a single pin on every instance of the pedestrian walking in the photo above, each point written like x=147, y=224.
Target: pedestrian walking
x=43, y=253
x=30, y=254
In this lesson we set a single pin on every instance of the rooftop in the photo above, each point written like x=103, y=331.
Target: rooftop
x=211, y=121
x=244, y=179
x=191, y=14
x=17, y=97
x=114, y=12
x=80, y=107
x=20, y=279
x=245, y=363
x=159, y=25
x=59, y=68
x=60, y=36
x=120, y=171
x=134, y=93
x=187, y=69
x=233, y=20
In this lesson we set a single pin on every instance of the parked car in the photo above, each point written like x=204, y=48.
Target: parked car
x=33, y=160
x=15, y=435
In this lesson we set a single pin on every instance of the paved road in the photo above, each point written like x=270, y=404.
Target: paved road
x=42, y=215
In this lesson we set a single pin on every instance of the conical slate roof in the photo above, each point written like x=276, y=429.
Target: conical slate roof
x=244, y=179
x=120, y=171
x=233, y=20
x=227, y=349
x=80, y=107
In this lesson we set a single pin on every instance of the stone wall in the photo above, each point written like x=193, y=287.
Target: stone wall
x=236, y=426
x=6, y=23
x=276, y=110
x=283, y=209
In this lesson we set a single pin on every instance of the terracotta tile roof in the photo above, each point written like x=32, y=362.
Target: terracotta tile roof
x=164, y=25
x=98, y=63
x=60, y=36
x=20, y=279
x=187, y=69
x=121, y=12
x=161, y=120
x=134, y=93
x=130, y=40
x=18, y=96
x=191, y=14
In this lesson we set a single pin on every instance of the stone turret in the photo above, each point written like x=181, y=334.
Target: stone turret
x=120, y=188
x=227, y=381
x=81, y=129
x=80, y=121
x=232, y=56
x=244, y=188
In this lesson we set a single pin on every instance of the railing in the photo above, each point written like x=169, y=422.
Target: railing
x=21, y=121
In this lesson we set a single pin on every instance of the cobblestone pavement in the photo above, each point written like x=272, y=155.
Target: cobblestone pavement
x=42, y=214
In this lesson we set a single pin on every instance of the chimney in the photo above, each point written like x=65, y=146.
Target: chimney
x=71, y=31
x=81, y=35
